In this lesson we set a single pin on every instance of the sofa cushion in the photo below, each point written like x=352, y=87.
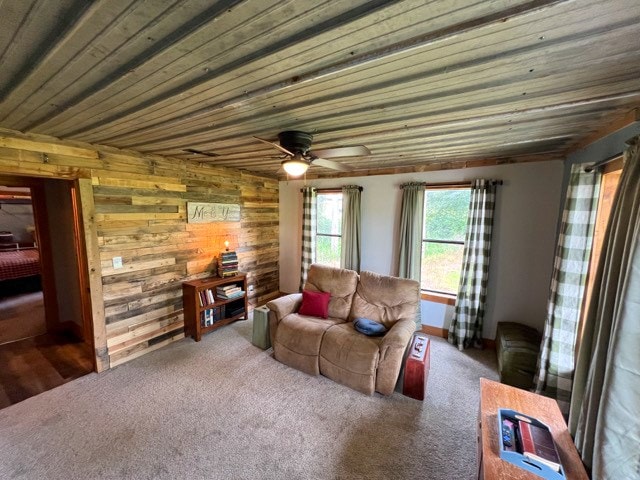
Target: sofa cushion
x=297, y=341
x=350, y=358
x=369, y=327
x=339, y=282
x=315, y=304
x=385, y=299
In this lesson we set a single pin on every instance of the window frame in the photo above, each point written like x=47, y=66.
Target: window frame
x=326, y=191
x=439, y=296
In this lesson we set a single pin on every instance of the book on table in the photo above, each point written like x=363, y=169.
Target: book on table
x=537, y=444
x=528, y=443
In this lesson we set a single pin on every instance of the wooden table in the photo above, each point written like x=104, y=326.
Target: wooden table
x=494, y=395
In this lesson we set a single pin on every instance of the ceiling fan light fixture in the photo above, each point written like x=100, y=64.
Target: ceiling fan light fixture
x=295, y=166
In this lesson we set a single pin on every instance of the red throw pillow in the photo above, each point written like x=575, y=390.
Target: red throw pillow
x=315, y=304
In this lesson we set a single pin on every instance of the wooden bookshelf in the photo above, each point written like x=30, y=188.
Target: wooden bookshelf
x=201, y=315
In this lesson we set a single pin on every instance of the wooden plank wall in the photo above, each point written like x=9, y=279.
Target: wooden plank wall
x=140, y=215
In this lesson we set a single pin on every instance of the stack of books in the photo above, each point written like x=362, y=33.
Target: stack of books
x=227, y=264
x=229, y=292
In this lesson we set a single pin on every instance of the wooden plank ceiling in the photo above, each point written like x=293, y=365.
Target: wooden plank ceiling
x=418, y=82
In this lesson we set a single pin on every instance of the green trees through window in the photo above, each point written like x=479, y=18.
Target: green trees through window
x=329, y=228
x=443, y=235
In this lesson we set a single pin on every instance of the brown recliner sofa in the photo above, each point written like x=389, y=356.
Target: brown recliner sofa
x=333, y=347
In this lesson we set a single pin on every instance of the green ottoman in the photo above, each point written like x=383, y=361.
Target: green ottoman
x=260, y=337
x=517, y=347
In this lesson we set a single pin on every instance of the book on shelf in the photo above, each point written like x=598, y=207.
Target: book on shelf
x=210, y=316
x=232, y=296
x=227, y=290
x=236, y=311
x=206, y=297
x=228, y=274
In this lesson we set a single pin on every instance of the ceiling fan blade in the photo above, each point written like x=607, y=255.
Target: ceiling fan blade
x=282, y=149
x=355, y=151
x=323, y=162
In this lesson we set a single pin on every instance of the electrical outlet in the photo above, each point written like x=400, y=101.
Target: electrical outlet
x=250, y=288
x=117, y=262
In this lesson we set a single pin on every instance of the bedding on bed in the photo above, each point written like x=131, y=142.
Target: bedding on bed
x=19, y=263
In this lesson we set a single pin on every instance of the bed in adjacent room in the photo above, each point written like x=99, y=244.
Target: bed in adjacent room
x=19, y=263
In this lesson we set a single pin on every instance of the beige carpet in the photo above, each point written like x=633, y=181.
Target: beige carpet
x=224, y=409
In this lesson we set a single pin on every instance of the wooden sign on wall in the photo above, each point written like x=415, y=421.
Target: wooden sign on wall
x=212, y=212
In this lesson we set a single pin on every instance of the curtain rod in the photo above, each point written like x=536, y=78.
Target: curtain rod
x=602, y=163
x=449, y=184
x=330, y=190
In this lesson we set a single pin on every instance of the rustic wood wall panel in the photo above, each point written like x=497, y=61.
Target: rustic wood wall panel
x=140, y=215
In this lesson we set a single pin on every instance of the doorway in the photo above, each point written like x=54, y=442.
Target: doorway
x=46, y=330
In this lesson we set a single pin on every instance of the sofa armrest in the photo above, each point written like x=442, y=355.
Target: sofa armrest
x=392, y=351
x=280, y=308
x=283, y=306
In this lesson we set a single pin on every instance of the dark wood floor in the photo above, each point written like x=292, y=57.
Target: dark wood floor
x=22, y=316
x=34, y=365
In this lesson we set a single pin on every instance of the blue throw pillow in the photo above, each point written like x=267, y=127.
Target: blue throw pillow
x=369, y=327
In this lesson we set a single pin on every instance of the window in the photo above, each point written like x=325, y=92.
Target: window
x=610, y=180
x=445, y=224
x=329, y=228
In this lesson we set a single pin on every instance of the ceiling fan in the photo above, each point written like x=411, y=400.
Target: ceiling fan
x=296, y=145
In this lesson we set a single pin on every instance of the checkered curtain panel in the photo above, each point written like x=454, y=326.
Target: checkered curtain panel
x=556, y=362
x=308, y=232
x=466, y=325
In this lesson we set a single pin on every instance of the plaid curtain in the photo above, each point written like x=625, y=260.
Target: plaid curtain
x=466, y=325
x=351, y=228
x=308, y=232
x=605, y=406
x=556, y=361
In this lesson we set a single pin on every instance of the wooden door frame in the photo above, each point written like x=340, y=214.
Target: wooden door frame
x=93, y=299
x=86, y=246
x=43, y=242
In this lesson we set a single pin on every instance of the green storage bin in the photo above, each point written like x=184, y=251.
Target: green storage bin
x=260, y=337
x=517, y=347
